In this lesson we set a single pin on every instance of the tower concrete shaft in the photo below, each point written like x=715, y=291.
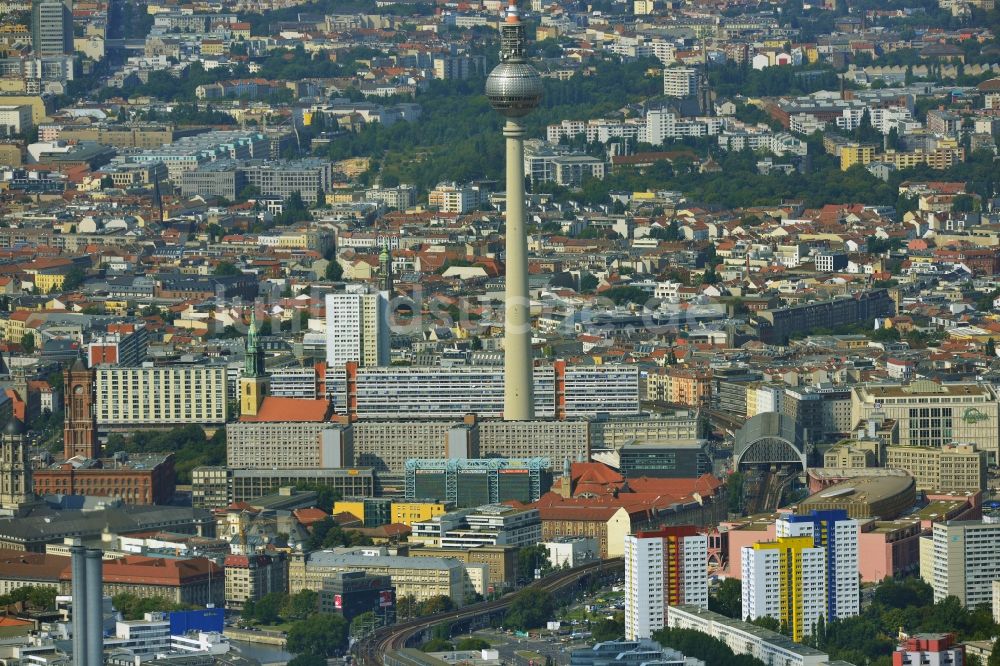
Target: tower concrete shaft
x=518, y=400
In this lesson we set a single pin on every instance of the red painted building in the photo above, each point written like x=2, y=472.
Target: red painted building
x=143, y=479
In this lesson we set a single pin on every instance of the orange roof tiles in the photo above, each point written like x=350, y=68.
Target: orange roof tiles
x=295, y=410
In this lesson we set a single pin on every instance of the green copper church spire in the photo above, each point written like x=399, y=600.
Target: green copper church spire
x=254, y=358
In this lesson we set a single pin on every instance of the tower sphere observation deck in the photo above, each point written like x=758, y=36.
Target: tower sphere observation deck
x=513, y=87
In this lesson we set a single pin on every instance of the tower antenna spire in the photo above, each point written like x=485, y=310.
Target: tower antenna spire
x=514, y=90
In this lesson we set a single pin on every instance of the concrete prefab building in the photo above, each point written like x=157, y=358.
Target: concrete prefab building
x=357, y=329
x=959, y=559
x=160, y=396
x=663, y=568
x=785, y=579
x=288, y=445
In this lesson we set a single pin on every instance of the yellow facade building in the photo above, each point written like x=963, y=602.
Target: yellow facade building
x=407, y=513
x=856, y=153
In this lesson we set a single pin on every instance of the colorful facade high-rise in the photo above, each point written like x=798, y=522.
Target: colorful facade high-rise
x=809, y=571
x=667, y=567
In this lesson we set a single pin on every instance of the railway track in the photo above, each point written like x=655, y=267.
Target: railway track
x=372, y=650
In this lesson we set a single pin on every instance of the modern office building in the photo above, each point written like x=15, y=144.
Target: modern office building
x=933, y=414
x=357, y=329
x=665, y=460
x=949, y=468
x=959, y=559
x=610, y=432
x=488, y=525
x=822, y=412
x=785, y=579
x=353, y=593
x=371, y=511
x=680, y=81
x=51, y=28
x=160, y=396
x=469, y=482
x=838, y=536
x=216, y=487
x=311, y=178
x=663, y=568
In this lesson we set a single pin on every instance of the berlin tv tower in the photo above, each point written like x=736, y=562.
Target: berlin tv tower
x=514, y=89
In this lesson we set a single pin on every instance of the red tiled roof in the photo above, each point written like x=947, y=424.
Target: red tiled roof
x=140, y=570
x=309, y=516
x=295, y=410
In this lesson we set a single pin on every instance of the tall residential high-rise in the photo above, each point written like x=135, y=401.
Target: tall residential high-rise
x=357, y=329
x=15, y=472
x=80, y=428
x=51, y=28
x=680, y=81
x=959, y=559
x=666, y=567
x=254, y=381
x=514, y=89
x=785, y=579
x=838, y=536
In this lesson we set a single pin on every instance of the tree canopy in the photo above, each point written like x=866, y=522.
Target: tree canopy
x=530, y=609
x=320, y=635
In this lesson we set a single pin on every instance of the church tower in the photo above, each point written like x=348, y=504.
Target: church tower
x=80, y=429
x=254, y=382
x=15, y=472
x=385, y=270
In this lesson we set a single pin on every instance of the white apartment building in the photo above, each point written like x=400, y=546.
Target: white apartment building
x=14, y=119
x=664, y=568
x=663, y=124
x=779, y=143
x=959, y=559
x=357, y=329
x=495, y=525
x=434, y=392
x=744, y=638
x=400, y=197
x=680, y=81
x=452, y=198
x=164, y=395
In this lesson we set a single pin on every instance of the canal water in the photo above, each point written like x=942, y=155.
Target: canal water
x=267, y=655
